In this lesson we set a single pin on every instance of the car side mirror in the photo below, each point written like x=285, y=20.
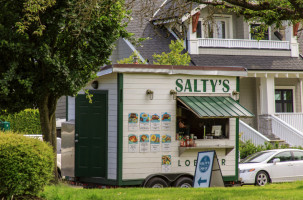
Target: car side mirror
x=276, y=160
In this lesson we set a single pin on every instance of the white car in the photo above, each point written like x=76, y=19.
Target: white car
x=279, y=165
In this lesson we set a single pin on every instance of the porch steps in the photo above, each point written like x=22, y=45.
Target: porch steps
x=274, y=139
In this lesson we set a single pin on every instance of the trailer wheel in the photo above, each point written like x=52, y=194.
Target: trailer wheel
x=184, y=182
x=156, y=183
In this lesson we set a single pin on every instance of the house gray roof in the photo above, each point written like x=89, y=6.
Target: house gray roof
x=251, y=62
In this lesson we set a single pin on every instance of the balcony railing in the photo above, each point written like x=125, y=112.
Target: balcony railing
x=248, y=44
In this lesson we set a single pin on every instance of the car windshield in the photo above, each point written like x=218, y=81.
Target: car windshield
x=258, y=157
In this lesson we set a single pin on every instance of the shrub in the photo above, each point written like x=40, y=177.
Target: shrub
x=248, y=148
x=26, y=165
x=27, y=121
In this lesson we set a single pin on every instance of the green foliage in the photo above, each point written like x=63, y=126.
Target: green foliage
x=174, y=57
x=130, y=59
x=26, y=165
x=26, y=121
x=269, y=192
x=248, y=148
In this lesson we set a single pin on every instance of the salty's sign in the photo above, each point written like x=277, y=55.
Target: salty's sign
x=208, y=173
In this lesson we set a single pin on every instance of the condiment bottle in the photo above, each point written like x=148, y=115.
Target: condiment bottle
x=187, y=141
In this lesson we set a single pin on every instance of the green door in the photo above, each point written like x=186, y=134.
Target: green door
x=91, y=135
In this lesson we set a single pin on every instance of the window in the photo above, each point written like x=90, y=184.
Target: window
x=256, y=32
x=284, y=100
x=199, y=29
x=217, y=29
x=284, y=157
x=298, y=155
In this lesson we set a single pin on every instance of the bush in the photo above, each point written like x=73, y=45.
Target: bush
x=27, y=121
x=26, y=165
x=248, y=148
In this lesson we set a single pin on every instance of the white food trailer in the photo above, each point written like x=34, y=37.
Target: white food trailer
x=146, y=124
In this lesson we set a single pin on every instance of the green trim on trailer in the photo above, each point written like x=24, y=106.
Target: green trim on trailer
x=132, y=182
x=237, y=133
x=120, y=129
x=230, y=178
x=66, y=108
x=98, y=181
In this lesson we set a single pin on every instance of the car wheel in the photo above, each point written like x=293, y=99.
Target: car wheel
x=156, y=183
x=261, y=178
x=184, y=182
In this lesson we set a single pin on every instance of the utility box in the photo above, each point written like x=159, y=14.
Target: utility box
x=5, y=126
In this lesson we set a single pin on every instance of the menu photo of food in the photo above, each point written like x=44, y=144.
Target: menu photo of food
x=155, y=139
x=166, y=138
x=166, y=160
x=166, y=117
x=132, y=139
x=155, y=118
x=144, y=138
x=144, y=118
x=132, y=118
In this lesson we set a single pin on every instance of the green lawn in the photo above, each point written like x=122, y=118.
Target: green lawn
x=272, y=191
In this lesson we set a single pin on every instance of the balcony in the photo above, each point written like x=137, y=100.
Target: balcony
x=247, y=44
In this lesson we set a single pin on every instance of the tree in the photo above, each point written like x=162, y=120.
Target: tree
x=50, y=49
x=174, y=57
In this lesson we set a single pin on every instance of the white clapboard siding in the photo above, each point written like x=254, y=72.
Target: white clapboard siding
x=109, y=83
x=140, y=165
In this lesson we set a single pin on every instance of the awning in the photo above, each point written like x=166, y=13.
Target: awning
x=214, y=106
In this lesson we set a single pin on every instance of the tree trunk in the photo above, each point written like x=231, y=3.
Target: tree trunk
x=47, y=108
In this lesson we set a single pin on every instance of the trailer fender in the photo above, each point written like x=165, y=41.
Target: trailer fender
x=168, y=177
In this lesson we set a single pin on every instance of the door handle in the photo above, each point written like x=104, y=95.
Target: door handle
x=76, y=141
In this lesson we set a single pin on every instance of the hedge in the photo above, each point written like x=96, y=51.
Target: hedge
x=27, y=121
x=26, y=165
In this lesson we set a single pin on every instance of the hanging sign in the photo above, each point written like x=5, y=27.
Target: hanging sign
x=144, y=122
x=208, y=172
x=155, y=122
x=144, y=143
x=132, y=143
x=132, y=121
x=166, y=163
x=166, y=142
x=166, y=121
x=155, y=142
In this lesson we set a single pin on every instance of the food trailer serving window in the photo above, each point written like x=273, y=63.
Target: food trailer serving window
x=207, y=117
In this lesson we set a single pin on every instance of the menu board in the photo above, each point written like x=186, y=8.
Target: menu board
x=144, y=143
x=144, y=121
x=132, y=121
x=166, y=163
x=166, y=142
x=133, y=143
x=155, y=122
x=155, y=143
x=166, y=121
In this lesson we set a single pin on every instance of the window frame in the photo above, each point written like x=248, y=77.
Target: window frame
x=258, y=23
x=293, y=97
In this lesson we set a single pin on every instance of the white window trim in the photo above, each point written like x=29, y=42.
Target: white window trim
x=218, y=17
x=252, y=23
x=293, y=88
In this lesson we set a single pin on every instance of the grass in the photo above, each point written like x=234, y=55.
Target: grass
x=273, y=191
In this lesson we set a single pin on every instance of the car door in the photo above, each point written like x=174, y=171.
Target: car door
x=282, y=171
x=298, y=164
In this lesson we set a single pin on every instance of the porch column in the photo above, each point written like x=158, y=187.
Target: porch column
x=267, y=95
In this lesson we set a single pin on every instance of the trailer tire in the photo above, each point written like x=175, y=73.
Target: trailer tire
x=184, y=182
x=156, y=182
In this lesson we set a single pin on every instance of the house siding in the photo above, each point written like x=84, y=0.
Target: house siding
x=61, y=108
x=248, y=98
